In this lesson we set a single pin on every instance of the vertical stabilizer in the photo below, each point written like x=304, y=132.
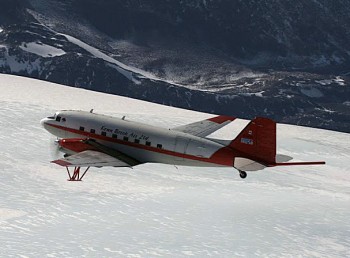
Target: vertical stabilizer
x=257, y=141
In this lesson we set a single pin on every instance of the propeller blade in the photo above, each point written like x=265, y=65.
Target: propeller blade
x=55, y=149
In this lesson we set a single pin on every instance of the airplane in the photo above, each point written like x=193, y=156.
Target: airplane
x=88, y=139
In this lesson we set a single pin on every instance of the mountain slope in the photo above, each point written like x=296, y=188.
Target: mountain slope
x=158, y=210
x=286, y=61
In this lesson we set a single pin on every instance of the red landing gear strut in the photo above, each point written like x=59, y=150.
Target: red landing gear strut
x=76, y=174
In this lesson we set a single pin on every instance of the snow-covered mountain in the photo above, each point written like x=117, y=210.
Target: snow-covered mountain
x=286, y=61
x=158, y=210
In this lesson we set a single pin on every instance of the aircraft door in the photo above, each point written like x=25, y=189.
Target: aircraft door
x=181, y=144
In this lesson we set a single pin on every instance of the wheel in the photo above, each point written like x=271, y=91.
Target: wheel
x=242, y=174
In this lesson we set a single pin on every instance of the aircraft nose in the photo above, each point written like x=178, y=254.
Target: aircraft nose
x=43, y=122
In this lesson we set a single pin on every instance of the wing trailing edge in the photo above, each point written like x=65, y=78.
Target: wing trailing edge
x=90, y=158
x=205, y=127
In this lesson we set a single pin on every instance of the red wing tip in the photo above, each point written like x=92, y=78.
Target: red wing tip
x=221, y=119
x=62, y=163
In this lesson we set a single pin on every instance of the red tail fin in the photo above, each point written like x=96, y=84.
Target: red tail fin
x=257, y=140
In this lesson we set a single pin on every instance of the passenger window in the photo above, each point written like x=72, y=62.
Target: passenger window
x=148, y=143
x=126, y=138
x=114, y=136
x=63, y=120
x=137, y=141
x=92, y=131
x=81, y=128
x=58, y=119
x=103, y=133
x=159, y=146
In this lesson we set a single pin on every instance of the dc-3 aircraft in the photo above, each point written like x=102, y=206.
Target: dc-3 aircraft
x=93, y=140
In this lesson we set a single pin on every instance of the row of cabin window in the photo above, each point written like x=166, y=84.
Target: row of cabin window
x=125, y=138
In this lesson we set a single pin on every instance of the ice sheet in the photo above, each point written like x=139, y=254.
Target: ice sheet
x=159, y=210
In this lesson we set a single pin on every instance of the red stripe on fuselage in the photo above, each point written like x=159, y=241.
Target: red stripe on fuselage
x=223, y=156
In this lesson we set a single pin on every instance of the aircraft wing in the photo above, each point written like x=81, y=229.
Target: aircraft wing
x=205, y=127
x=99, y=156
x=90, y=158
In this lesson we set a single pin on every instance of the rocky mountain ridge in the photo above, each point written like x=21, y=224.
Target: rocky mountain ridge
x=241, y=58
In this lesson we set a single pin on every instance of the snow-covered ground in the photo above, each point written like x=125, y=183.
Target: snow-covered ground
x=159, y=210
x=42, y=49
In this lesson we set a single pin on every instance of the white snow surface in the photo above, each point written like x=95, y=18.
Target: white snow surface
x=340, y=81
x=312, y=92
x=41, y=49
x=159, y=210
x=122, y=68
x=256, y=94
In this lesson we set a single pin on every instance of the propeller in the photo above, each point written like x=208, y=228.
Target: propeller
x=55, y=149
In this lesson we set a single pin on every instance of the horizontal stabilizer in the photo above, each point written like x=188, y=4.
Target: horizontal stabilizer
x=280, y=158
x=300, y=163
x=247, y=164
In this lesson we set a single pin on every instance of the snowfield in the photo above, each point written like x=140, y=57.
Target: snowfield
x=42, y=49
x=159, y=210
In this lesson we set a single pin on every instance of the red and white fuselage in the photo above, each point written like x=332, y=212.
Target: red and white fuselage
x=143, y=142
x=96, y=140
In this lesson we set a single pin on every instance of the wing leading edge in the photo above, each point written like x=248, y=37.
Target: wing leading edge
x=94, y=155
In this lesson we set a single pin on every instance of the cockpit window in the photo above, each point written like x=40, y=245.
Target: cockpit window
x=58, y=118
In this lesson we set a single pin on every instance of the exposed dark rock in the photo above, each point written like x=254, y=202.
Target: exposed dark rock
x=286, y=60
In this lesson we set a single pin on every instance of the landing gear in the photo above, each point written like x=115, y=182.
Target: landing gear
x=242, y=174
x=76, y=174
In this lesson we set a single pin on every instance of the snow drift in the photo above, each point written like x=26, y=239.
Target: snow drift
x=159, y=210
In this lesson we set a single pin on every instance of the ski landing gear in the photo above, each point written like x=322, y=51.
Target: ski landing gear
x=76, y=174
x=242, y=174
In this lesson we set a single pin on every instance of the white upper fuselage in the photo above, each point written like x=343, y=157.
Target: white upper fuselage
x=143, y=142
